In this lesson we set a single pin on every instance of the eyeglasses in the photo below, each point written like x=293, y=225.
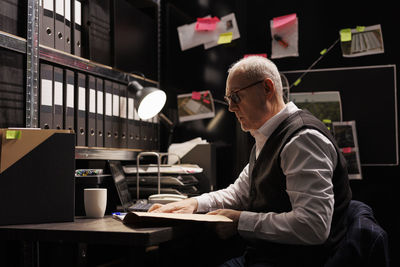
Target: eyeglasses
x=234, y=97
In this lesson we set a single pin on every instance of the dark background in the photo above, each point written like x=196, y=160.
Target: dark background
x=129, y=42
x=197, y=69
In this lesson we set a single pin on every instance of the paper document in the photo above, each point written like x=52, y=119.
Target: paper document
x=153, y=168
x=150, y=217
x=182, y=149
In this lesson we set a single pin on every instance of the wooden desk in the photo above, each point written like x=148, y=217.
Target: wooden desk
x=84, y=231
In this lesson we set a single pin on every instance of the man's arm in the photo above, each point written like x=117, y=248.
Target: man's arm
x=308, y=161
x=234, y=196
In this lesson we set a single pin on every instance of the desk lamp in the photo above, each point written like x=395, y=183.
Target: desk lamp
x=148, y=100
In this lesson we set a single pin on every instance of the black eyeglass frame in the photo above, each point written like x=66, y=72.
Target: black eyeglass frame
x=233, y=96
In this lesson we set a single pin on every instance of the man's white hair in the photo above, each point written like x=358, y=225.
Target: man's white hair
x=255, y=68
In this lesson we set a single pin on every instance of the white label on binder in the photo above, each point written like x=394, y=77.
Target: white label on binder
x=81, y=103
x=99, y=102
x=68, y=10
x=135, y=115
x=70, y=95
x=92, y=101
x=58, y=93
x=130, y=108
x=116, y=105
x=60, y=7
x=77, y=12
x=122, y=107
x=48, y=4
x=108, y=104
x=46, y=98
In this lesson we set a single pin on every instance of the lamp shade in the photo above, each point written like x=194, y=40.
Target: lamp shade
x=149, y=101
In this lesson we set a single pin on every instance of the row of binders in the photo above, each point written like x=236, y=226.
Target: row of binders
x=60, y=25
x=101, y=111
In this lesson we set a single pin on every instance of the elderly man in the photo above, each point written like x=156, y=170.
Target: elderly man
x=289, y=202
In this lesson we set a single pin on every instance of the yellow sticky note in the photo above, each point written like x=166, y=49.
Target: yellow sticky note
x=360, y=28
x=13, y=134
x=297, y=82
x=225, y=38
x=345, y=35
x=323, y=51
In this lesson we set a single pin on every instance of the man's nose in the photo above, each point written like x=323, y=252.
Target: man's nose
x=232, y=106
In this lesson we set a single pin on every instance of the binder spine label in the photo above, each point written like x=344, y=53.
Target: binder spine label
x=58, y=93
x=70, y=95
x=99, y=102
x=46, y=98
x=108, y=104
x=82, y=104
x=92, y=101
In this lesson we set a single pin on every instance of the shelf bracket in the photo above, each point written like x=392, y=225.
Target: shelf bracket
x=32, y=63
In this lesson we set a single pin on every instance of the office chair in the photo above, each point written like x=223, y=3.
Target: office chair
x=365, y=243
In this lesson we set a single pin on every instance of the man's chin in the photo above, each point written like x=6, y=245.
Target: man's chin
x=244, y=128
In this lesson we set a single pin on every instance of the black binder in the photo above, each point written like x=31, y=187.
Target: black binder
x=12, y=89
x=77, y=27
x=67, y=26
x=133, y=123
x=100, y=113
x=137, y=130
x=47, y=24
x=58, y=99
x=147, y=137
x=69, y=87
x=59, y=24
x=123, y=112
x=12, y=17
x=130, y=121
x=46, y=97
x=80, y=107
x=156, y=134
x=91, y=111
x=108, y=100
x=115, y=116
x=97, y=28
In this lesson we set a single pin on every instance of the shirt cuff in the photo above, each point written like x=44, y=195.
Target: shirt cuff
x=202, y=203
x=247, y=220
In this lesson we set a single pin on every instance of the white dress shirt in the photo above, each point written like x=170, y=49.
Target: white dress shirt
x=308, y=161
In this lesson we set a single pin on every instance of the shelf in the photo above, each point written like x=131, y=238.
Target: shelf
x=85, y=65
x=18, y=44
x=12, y=42
x=101, y=153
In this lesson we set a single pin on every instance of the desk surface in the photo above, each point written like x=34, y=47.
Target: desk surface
x=106, y=230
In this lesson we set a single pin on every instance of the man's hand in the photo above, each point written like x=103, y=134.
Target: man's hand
x=226, y=230
x=184, y=206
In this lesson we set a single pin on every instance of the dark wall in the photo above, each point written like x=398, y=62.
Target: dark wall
x=319, y=24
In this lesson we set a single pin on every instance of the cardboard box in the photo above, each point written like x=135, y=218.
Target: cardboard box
x=36, y=176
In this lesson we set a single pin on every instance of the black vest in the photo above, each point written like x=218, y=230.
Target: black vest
x=268, y=183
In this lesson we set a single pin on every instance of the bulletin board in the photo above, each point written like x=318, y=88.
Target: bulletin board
x=369, y=96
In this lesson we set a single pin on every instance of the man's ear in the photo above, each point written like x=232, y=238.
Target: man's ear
x=269, y=87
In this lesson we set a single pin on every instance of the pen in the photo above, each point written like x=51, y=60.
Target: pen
x=119, y=213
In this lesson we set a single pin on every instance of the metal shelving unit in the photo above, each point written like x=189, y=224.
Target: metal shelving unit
x=35, y=52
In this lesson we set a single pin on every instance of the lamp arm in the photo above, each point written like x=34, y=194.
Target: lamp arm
x=167, y=122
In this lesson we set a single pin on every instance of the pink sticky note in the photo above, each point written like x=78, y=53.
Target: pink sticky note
x=260, y=55
x=283, y=20
x=205, y=94
x=346, y=150
x=196, y=95
x=206, y=101
x=206, y=24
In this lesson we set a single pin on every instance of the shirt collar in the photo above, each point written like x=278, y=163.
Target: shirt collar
x=269, y=126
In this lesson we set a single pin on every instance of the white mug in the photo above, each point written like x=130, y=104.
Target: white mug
x=95, y=202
